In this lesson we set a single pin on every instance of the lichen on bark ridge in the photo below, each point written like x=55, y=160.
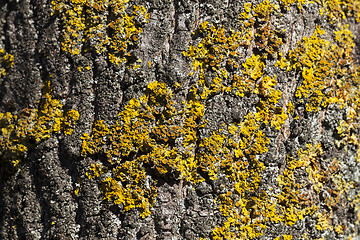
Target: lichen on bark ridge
x=235, y=120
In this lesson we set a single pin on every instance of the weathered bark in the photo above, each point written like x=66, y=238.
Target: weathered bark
x=38, y=201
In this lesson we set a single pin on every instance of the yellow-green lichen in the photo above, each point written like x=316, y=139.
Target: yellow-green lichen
x=299, y=3
x=333, y=10
x=326, y=80
x=337, y=10
x=296, y=199
x=6, y=62
x=233, y=153
x=143, y=141
x=330, y=76
x=247, y=210
x=299, y=197
x=323, y=66
x=156, y=136
x=105, y=26
x=284, y=237
x=21, y=132
x=145, y=136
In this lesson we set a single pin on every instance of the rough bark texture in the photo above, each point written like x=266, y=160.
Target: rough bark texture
x=38, y=201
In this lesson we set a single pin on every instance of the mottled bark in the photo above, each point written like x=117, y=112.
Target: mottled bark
x=39, y=202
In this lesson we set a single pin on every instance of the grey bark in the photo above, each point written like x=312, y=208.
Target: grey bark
x=42, y=193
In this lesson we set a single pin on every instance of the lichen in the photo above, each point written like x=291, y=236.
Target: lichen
x=323, y=65
x=21, y=132
x=6, y=62
x=143, y=141
x=334, y=11
x=329, y=76
x=106, y=27
x=156, y=136
x=337, y=10
x=156, y=133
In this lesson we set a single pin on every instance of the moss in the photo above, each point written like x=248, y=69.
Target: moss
x=21, y=132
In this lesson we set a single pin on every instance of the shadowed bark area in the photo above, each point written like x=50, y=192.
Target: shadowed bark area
x=245, y=119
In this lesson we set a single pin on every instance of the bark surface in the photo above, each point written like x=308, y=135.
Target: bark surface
x=50, y=196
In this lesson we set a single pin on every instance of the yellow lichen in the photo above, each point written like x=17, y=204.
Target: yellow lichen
x=337, y=10
x=20, y=132
x=329, y=76
x=158, y=136
x=143, y=140
x=6, y=62
x=105, y=26
x=287, y=237
x=323, y=67
x=254, y=67
x=323, y=221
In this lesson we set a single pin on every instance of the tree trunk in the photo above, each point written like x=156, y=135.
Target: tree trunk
x=244, y=122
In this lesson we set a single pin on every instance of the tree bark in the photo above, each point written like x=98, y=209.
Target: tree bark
x=50, y=196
